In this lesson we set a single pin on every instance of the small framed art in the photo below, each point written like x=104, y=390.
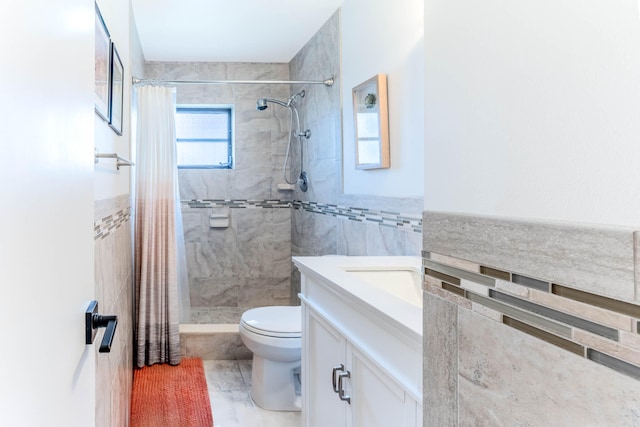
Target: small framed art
x=116, y=93
x=102, y=67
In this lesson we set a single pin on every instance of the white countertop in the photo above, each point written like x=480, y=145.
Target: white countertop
x=337, y=271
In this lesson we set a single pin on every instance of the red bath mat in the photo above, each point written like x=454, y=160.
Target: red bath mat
x=165, y=395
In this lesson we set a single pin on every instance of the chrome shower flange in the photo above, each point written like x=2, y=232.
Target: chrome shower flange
x=306, y=134
x=303, y=182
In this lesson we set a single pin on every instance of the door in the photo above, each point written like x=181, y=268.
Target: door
x=47, y=373
x=323, y=350
x=378, y=401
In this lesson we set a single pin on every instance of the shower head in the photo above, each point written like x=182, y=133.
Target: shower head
x=261, y=104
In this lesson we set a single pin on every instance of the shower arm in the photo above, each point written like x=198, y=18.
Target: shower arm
x=290, y=104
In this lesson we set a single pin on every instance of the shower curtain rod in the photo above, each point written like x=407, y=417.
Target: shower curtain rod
x=328, y=82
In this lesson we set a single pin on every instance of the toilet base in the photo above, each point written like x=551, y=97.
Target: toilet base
x=275, y=386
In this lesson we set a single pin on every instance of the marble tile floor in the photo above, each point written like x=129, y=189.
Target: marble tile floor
x=229, y=384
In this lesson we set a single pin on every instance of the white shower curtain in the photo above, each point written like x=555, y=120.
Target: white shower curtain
x=159, y=244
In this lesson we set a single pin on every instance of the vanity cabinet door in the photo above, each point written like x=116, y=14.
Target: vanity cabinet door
x=352, y=372
x=377, y=399
x=323, y=349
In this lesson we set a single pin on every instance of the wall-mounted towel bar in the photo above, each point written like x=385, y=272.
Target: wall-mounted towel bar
x=120, y=161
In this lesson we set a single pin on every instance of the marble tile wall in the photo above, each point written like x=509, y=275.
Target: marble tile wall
x=114, y=292
x=601, y=260
x=260, y=136
x=213, y=342
x=319, y=59
x=247, y=264
x=226, y=267
x=536, y=337
x=244, y=265
x=316, y=233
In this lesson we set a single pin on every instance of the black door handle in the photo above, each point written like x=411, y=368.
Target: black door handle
x=93, y=321
x=110, y=322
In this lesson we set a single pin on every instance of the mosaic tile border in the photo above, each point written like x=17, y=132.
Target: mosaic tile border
x=601, y=329
x=110, y=223
x=595, y=259
x=237, y=204
x=383, y=218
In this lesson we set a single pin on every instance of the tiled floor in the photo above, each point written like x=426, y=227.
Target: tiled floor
x=229, y=383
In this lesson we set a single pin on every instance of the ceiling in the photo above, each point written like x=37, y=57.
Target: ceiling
x=228, y=30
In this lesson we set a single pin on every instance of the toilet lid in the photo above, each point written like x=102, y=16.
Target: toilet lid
x=276, y=321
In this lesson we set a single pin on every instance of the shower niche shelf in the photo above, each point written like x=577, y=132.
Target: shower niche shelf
x=286, y=187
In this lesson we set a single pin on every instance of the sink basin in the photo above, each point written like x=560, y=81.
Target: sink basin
x=405, y=284
x=389, y=285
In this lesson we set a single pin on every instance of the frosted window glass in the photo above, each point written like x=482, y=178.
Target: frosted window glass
x=204, y=137
x=198, y=125
x=202, y=154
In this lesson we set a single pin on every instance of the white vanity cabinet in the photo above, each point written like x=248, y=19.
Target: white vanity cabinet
x=360, y=367
x=321, y=404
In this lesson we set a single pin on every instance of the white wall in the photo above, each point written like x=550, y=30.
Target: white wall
x=110, y=182
x=383, y=36
x=47, y=374
x=532, y=109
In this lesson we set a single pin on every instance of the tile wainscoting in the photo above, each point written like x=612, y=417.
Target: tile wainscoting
x=114, y=292
x=529, y=322
x=585, y=324
x=107, y=225
x=588, y=258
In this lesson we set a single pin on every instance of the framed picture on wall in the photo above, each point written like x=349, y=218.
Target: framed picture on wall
x=116, y=91
x=102, y=67
x=371, y=119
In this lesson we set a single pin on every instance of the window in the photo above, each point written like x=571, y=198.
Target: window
x=204, y=137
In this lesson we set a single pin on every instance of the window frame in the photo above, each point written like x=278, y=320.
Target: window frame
x=230, y=142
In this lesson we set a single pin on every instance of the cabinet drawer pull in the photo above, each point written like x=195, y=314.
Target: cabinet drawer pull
x=334, y=379
x=341, y=393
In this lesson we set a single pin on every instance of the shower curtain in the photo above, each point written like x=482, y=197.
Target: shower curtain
x=158, y=240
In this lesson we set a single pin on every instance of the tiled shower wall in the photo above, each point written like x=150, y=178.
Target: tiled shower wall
x=260, y=136
x=242, y=266
x=316, y=229
x=530, y=323
x=248, y=263
x=114, y=292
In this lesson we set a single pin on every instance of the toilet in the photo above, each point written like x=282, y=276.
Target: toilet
x=273, y=334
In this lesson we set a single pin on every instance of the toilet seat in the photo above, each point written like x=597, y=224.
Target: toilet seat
x=275, y=321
